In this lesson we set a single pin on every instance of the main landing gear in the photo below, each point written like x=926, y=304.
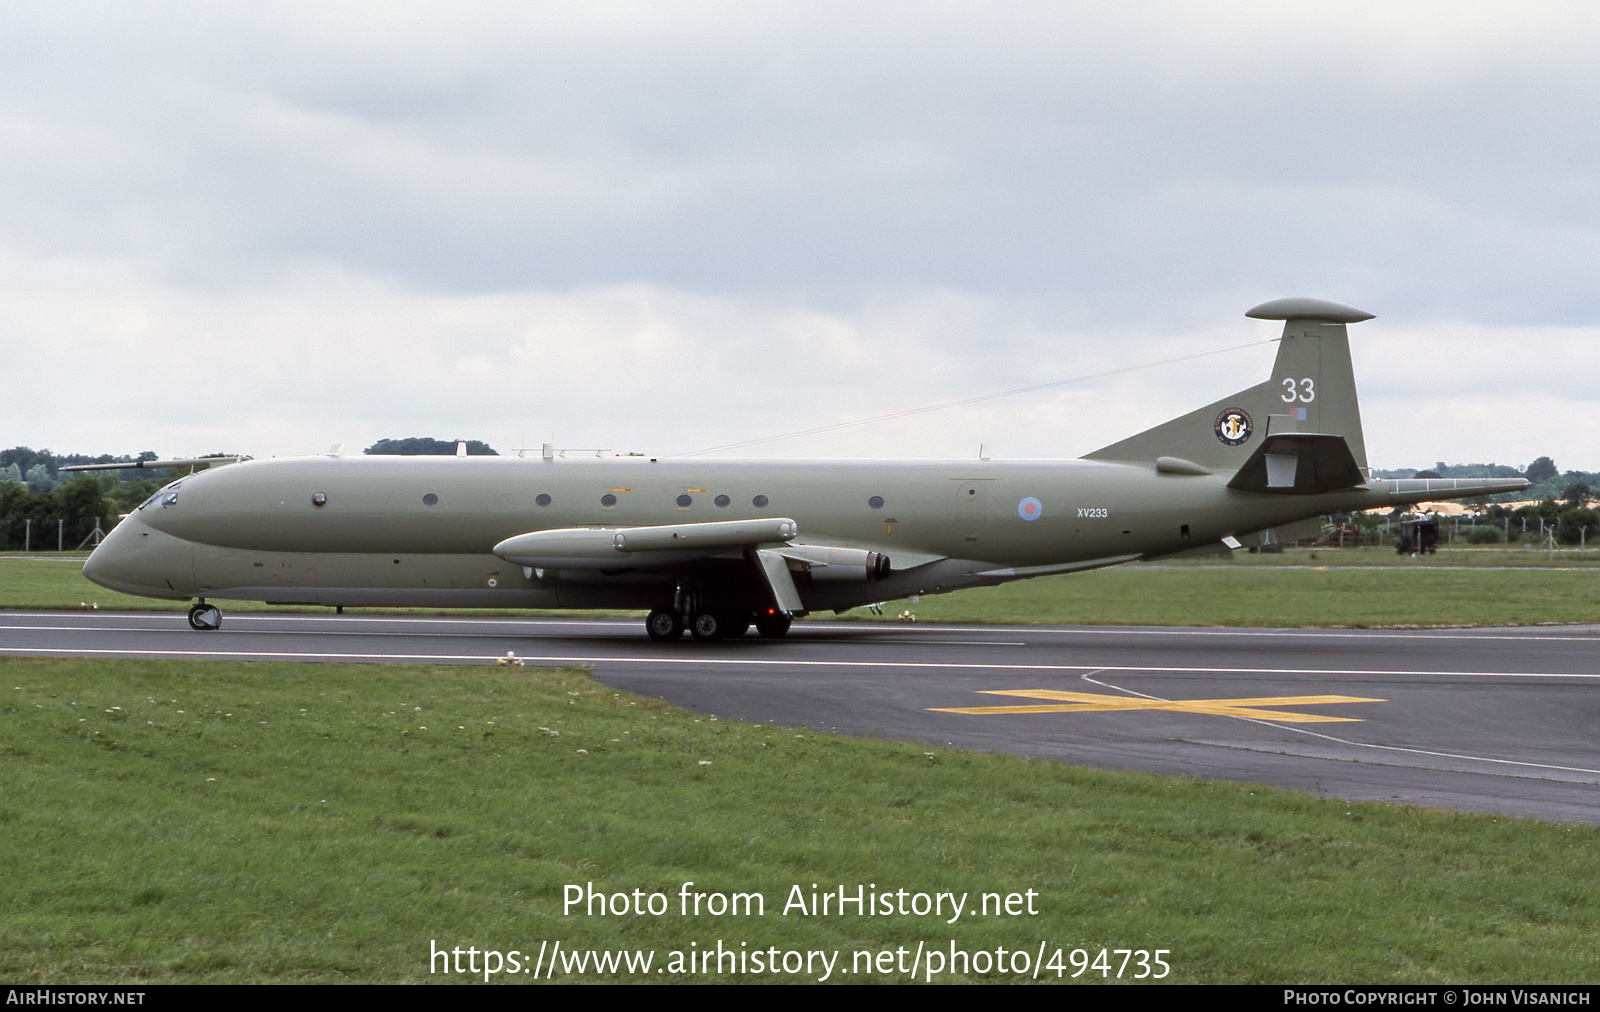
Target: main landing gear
x=773, y=624
x=666, y=624
x=205, y=617
x=663, y=624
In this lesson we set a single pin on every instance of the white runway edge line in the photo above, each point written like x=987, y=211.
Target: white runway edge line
x=1505, y=633
x=390, y=634
x=779, y=662
x=1546, y=633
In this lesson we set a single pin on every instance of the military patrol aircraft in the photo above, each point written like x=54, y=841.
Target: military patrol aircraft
x=715, y=546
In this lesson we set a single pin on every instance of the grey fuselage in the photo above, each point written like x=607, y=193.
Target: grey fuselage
x=720, y=543
x=421, y=531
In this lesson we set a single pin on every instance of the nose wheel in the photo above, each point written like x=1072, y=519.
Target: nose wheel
x=205, y=617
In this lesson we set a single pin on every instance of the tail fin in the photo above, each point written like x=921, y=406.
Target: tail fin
x=1312, y=390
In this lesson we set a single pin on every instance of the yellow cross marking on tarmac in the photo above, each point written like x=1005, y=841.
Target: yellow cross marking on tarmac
x=1088, y=702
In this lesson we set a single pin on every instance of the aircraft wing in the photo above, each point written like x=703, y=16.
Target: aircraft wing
x=770, y=544
x=1293, y=463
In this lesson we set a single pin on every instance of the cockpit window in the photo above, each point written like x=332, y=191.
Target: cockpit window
x=167, y=495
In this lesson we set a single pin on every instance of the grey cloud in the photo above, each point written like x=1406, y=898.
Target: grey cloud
x=1147, y=158
x=970, y=196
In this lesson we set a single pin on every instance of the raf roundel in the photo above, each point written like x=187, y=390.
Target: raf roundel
x=1233, y=426
x=1030, y=508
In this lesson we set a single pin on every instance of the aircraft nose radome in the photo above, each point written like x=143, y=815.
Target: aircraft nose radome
x=94, y=566
x=134, y=559
x=108, y=566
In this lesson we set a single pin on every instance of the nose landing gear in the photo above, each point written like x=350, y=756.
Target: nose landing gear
x=205, y=617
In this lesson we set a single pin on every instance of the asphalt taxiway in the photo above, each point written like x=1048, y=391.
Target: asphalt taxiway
x=1491, y=720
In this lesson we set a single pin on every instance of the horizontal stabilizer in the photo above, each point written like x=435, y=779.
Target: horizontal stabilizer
x=1299, y=464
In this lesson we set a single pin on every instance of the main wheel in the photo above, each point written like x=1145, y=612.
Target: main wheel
x=708, y=626
x=205, y=617
x=773, y=624
x=663, y=625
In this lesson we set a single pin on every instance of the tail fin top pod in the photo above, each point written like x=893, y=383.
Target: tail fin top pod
x=1312, y=390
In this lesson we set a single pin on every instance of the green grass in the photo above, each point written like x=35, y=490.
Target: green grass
x=1446, y=558
x=1325, y=588
x=51, y=581
x=1278, y=596
x=199, y=821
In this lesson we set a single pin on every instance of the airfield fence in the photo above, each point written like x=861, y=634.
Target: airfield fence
x=50, y=533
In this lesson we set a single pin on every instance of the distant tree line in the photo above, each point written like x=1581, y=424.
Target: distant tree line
x=1549, y=481
x=427, y=445
x=37, y=499
x=40, y=470
x=1559, y=502
x=1573, y=521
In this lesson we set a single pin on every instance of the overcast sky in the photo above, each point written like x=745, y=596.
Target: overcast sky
x=268, y=228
